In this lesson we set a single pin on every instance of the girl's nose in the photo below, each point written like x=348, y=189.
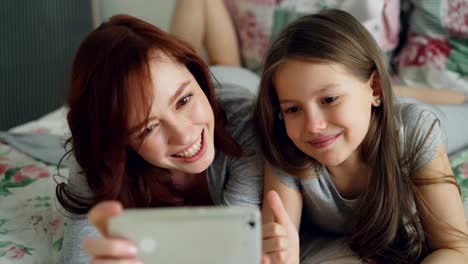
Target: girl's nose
x=315, y=122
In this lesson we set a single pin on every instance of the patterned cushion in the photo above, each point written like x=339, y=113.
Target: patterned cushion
x=436, y=51
x=258, y=22
x=460, y=168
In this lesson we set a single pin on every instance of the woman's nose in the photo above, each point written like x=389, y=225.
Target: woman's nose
x=179, y=133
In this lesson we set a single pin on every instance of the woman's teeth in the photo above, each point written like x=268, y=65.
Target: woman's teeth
x=192, y=150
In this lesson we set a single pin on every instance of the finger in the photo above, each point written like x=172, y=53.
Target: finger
x=270, y=230
x=276, y=244
x=102, y=212
x=279, y=257
x=110, y=248
x=277, y=208
x=116, y=261
x=266, y=259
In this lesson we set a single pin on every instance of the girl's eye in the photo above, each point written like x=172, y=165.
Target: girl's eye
x=329, y=100
x=184, y=100
x=293, y=109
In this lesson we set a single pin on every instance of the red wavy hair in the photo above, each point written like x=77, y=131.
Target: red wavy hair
x=111, y=64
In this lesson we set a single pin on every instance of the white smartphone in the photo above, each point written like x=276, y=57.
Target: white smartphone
x=196, y=235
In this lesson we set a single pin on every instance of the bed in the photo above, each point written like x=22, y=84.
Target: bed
x=31, y=221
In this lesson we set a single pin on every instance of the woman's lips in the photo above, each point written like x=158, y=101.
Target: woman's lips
x=199, y=153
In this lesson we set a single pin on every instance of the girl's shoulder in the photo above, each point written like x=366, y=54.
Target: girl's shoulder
x=412, y=116
x=419, y=132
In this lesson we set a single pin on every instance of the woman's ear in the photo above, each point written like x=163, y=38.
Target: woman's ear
x=376, y=86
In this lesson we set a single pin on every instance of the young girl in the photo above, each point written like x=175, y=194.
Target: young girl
x=346, y=158
x=148, y=129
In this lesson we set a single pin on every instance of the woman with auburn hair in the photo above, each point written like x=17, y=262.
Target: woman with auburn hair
x=348, y=159
x=149, y=129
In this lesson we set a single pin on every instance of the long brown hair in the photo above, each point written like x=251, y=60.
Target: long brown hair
x=335, y=36
x=110, y=76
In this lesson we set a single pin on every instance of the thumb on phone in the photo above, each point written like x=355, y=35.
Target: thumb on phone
x=280, y=214
x=100, y=214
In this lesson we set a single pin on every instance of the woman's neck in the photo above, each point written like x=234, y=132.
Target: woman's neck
x=184, y=181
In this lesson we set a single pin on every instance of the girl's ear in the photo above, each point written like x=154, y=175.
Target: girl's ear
x=376, y=86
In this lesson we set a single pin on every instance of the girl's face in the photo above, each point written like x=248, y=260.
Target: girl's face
x=326, y=110
x=180, y=133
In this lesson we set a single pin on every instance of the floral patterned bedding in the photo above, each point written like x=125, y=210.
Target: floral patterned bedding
x=31, y=227
x=31, y=221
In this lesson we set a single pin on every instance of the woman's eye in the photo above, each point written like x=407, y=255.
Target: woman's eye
x=292, y=109
x=329, y=100
x=184, y=100
x=149, y=129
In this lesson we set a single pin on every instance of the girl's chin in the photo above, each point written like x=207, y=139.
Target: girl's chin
x=329, y=160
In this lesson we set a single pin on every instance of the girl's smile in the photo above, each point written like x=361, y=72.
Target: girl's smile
x=326, y=110
x=325, y=141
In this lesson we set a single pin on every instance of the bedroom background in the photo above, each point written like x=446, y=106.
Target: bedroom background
x=39, y=39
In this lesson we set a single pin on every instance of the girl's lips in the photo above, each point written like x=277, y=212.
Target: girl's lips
x=324, y=141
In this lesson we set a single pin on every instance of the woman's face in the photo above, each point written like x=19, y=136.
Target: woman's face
x=326, y=110
x=180, y=133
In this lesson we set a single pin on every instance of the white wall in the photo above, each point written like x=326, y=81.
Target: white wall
x=157, y=12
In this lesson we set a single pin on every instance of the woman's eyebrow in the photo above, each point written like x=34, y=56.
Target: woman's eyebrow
x=179, y=91
x=136, y=128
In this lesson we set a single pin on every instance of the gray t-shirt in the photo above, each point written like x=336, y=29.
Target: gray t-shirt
x=231, y=181
x=325, y=208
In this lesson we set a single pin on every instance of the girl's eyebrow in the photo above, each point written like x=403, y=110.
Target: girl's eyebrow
x=323, y=89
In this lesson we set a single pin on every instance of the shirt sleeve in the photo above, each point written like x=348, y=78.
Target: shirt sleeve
x=76, y=230
x=77, y=227
x=286, y=178
x=245, y=176
x=422, y=134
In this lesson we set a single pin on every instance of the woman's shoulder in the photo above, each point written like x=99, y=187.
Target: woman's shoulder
x=237, y=103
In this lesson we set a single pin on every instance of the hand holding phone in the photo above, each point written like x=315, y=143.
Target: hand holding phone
x=196, y=235
x=105, y=247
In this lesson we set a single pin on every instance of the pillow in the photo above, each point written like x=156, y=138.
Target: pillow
x=258, y=22
x=436, y=51
x=460, y=168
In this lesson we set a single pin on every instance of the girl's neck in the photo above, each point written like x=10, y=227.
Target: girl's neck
x=350, y=177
